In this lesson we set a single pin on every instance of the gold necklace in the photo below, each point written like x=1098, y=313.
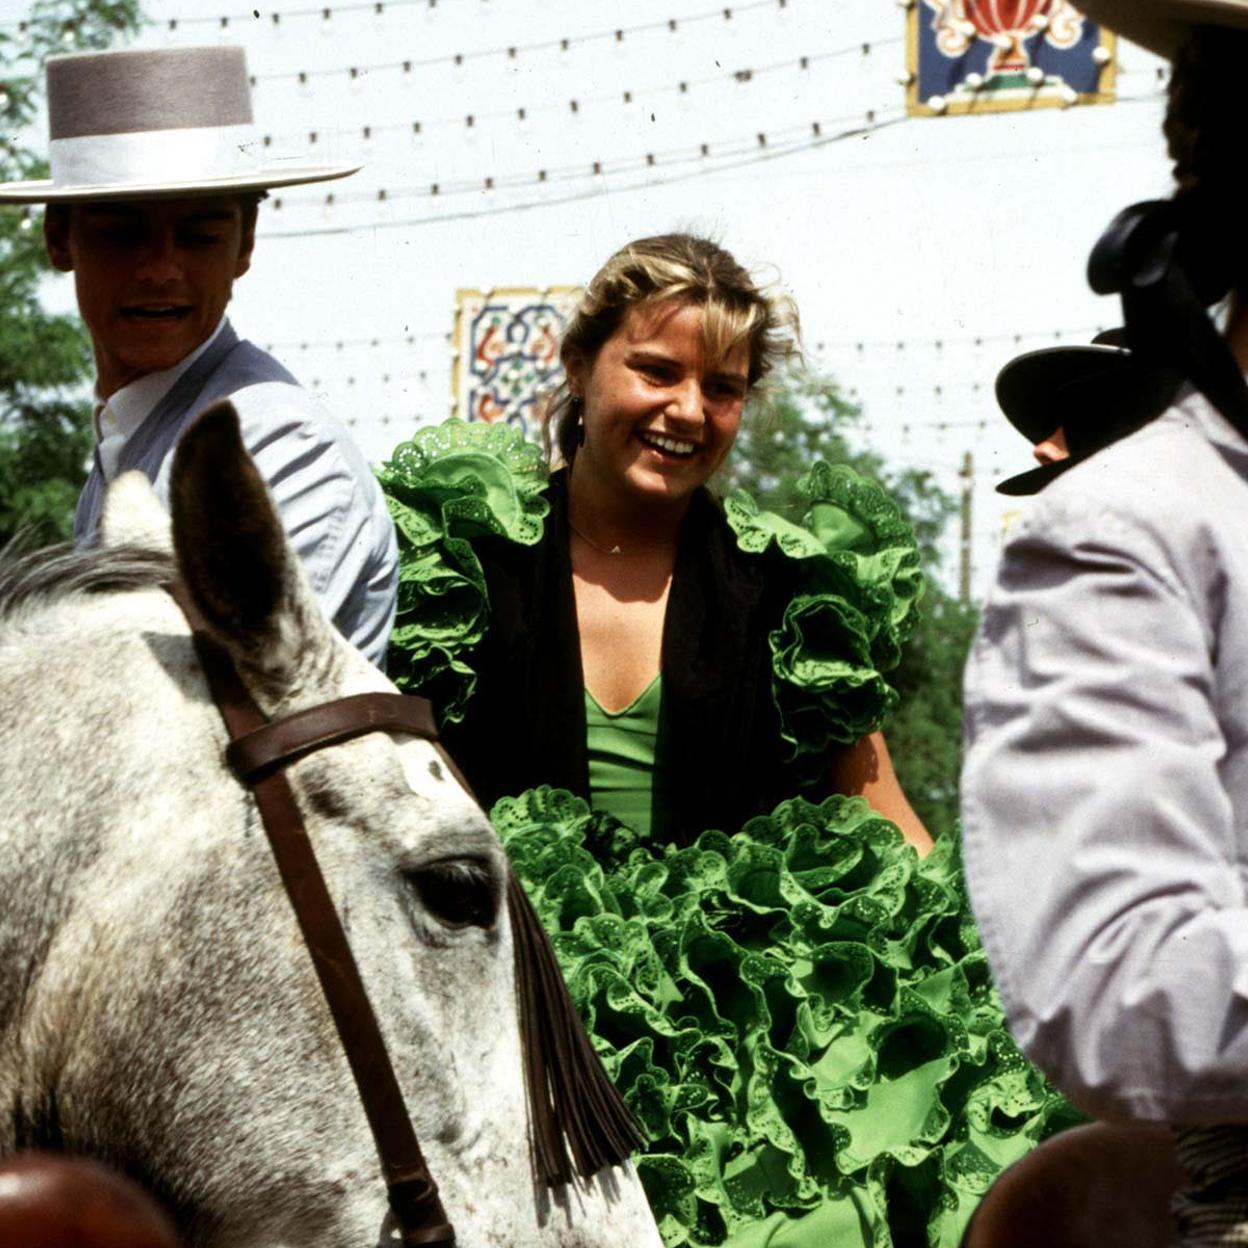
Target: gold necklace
x=615, y=550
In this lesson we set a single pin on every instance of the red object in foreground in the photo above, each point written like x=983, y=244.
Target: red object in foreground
x=51, y=1201
x=1107, y=1184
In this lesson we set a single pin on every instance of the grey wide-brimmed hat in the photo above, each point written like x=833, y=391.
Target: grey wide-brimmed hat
x=144, y=124
x=1160, y=25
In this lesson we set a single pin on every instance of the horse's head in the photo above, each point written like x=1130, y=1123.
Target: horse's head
x=157, y=1006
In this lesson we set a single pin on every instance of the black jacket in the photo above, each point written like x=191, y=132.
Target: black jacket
x=719, y=730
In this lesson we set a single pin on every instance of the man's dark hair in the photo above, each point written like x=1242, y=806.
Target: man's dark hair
x=1204, y=133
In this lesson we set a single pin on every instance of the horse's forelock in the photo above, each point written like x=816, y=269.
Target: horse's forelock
x=36, y=580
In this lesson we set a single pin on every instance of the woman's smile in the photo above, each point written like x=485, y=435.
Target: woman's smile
x=666, y=445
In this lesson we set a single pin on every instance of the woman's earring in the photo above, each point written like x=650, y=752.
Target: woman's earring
x=578, y=408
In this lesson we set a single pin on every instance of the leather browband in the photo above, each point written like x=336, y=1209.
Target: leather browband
x=264, y=749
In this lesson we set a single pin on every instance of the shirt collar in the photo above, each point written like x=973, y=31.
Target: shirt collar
x=125, y=410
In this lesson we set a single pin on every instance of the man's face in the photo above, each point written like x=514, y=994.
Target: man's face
x=1053, y=449
x=153, y=277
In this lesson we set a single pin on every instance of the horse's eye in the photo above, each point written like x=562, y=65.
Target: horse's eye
x=458, y=892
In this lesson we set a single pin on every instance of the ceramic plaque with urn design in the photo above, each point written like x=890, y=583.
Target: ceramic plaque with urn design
x=978, y=56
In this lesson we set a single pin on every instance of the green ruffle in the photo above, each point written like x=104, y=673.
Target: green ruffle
x=457, y=483
x=860, y=581
x=800, y=1016
x=446, y=487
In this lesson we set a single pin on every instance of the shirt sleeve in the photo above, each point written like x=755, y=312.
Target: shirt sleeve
x=1101, y=848
x=331, y=507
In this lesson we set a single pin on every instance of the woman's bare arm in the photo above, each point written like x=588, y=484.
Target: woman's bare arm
x=866, y=770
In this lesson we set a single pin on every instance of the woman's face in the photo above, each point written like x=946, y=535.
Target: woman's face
x=659, y=416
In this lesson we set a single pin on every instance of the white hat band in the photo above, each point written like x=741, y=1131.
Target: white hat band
x=191, y=155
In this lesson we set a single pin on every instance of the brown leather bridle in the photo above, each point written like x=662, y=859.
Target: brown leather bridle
x=259, y=749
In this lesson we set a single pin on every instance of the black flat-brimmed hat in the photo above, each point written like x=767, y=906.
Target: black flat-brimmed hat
x=1160, y=25
x=1059, y=386
x=1093, y=393
x=145, y=124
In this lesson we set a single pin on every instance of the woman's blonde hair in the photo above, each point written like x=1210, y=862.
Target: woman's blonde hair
x=673, y=268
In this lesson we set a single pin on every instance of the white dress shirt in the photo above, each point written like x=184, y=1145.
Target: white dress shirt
x=123, y=412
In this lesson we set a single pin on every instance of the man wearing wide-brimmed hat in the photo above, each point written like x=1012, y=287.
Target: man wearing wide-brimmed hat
x=152, y=206
x=1070, y=402
x=1105, y=788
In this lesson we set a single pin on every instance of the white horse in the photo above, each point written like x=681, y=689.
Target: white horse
x=158, y=1009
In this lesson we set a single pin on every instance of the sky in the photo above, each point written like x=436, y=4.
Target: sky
x=923, y=252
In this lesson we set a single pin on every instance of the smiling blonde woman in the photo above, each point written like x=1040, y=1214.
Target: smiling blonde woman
x=673, y=705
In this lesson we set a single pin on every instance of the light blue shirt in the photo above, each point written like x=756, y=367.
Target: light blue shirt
x=330, y=504
x=1105, y=788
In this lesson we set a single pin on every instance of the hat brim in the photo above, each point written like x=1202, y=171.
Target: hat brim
x=48, y=192
x=1035, y=479
x=1054, y=386
x=1161, y=25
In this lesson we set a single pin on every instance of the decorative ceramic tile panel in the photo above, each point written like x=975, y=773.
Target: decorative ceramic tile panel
x=507, y=351
x=983, y=56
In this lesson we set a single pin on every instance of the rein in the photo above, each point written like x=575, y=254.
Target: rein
x=578, y=1123
x=257, y=752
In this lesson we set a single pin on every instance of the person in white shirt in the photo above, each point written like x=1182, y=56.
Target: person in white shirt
x=152, y=206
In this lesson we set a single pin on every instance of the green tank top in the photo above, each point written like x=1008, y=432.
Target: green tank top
x=621, y=750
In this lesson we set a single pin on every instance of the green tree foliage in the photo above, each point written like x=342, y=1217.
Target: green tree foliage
x=925, y=732
x=812, y=420
x=45, y=360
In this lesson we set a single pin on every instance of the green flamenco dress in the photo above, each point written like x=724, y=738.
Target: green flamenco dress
x=798, y=1012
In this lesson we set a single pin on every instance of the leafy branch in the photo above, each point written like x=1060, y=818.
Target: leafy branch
x=45, y=359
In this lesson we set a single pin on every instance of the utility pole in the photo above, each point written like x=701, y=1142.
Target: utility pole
x=968, y=490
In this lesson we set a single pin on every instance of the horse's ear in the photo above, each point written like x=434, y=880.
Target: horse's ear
x=233, y=554
x=133, y=515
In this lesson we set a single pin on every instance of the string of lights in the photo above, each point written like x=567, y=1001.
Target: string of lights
x=573, y=105
x=899, y=461
x=944, y=426
x=410, y=421
x=404, y=373
x=345, y=344
x=326, y=13
x=952, y=392
x=939, y=390
x=976, y=340
x=765, y=151
x=405, y=381
x=275, y=17
x=901, y=456
x=762, y=145
x=924, y=427
x=510, y=52
x=407, y=373
x=774, y=143
x=406, y=377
